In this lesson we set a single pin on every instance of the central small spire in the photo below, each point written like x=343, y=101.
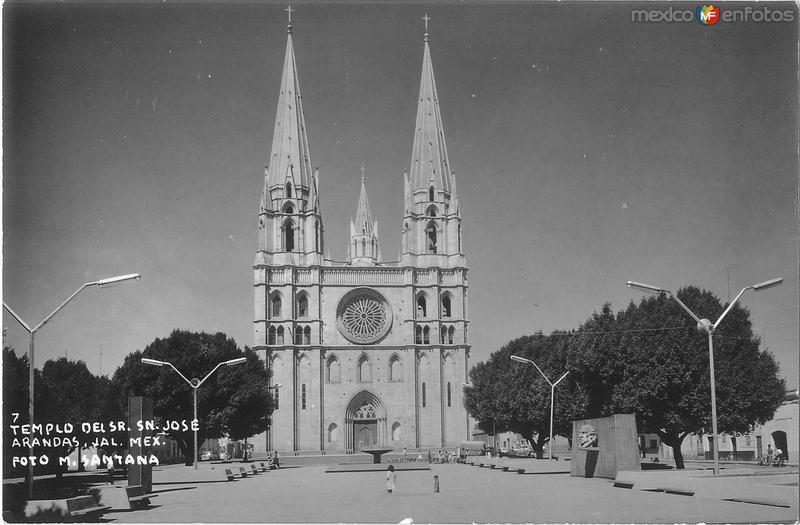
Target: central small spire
x=362, y=173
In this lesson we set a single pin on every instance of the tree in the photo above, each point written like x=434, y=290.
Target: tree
x=15, y=404
x=512, y=396
x=652, y=360
x=235, y=400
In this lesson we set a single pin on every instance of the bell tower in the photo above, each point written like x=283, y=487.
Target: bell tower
x=431, y=232
x=289, y=219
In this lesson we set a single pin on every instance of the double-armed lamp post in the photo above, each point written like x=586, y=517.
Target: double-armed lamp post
x=552, y=394
x=195, y=384
x=709, y=327
x=102, y=283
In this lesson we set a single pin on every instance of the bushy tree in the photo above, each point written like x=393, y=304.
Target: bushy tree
x=651, y=360
x=235, y=400
x=508, y=395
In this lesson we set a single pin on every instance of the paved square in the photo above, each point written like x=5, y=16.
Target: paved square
x=467, y=494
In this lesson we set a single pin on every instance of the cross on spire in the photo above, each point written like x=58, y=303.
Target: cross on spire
x=362, y=173
x=426, y=18
x=289, y=10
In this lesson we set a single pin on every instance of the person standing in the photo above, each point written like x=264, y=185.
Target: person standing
x=391, y=478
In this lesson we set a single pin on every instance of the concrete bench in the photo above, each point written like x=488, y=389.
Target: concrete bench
x=122, y=498
x=63, y=509
x=229, y=474
x=263, y=467
x=242, y=472
x=254, y=469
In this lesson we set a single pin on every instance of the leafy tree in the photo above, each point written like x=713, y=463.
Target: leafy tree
x=652, y=360
x=235, y=400
x=513, y=396
x=15, y=402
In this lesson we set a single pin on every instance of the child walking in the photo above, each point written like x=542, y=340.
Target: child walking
x=391, y=477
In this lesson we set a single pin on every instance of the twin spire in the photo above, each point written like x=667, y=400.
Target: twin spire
x=290, y=173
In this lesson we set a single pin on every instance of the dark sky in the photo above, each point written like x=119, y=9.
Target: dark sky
x=589, y=150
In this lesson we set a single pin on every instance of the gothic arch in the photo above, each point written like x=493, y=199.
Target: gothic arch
x=395, y=369
x=287, y=231
x=431, y=238
x=288, y=208
x=275, y=303
x=302, y=305
x=365, y=412
x=287, y=192
x=422, y=304
x=431, y=211
x=431, y=193
x=364, y=369
x=333, y=369
x=447, y=304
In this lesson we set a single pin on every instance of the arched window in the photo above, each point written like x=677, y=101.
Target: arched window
x=418, y=338
x=333, y=434
x=303, y=397
x=364, y=369
x=430, y=232
x=271, y=338
x=444, y=334
x=395, y=431
x=395, y=369
x=317, y=237
x=426, y=335
x=298, y=335
x=431, y=212
x=451, y=334
x=446, y=306
x=422, y=306
x=333, y=371
x=275, y=305
x=307, y=335
x=302, y=305
x=423, y=396
x=288, y=192
x=449, y=395
x=459, y=238
x=288, y=208
x=430, y=194
x=280, y=335
x=288, y=236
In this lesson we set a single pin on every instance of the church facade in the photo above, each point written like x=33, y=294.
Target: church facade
x=363, y=353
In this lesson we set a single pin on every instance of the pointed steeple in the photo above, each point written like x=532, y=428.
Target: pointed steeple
x=363, y=248
x=290, y=159
x=290, y=221
x=430, y=165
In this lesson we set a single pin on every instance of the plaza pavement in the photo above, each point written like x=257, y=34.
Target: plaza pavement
x=468, y=494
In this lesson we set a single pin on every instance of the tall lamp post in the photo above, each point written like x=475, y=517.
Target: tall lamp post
x=195, y=384
x=552, y=394
x=709, y=327
x=31, y=331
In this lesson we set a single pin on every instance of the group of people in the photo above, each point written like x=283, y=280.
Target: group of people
x=441, y=457
x=773, y=457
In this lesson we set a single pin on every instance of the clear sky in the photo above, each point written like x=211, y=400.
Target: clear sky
x=589, y=150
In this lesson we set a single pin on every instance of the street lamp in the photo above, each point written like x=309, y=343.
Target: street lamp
x=709, y=327
x=195, y=384
x=31, y=331
x=552, y=394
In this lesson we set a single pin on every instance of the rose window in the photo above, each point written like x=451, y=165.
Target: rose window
x=364, y=316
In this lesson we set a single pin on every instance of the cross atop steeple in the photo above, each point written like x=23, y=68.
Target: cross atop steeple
x=289, y=10
x=426, y=18
x=362, y=173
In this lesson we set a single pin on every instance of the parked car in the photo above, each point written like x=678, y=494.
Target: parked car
x=208, y=456
x=520, y=451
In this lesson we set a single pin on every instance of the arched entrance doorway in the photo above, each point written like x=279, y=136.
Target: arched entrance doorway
x=779, y=438
x=365, y=422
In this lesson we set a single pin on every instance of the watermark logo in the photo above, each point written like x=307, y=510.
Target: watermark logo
x=707, y=15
